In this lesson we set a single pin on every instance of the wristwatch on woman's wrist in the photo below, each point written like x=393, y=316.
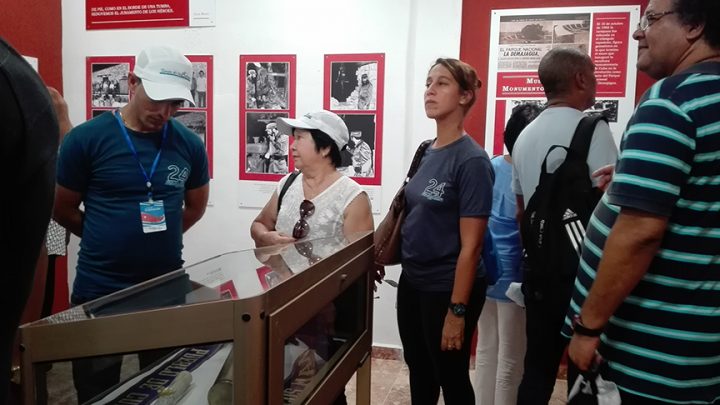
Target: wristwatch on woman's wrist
x=580, y=329
x=458, y=309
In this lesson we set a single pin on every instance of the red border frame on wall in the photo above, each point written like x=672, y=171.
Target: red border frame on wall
x=291, y=60
x=475, y=47
x=378, y=111
x=209, y=106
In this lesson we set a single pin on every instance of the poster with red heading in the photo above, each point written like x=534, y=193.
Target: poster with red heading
x=519, y=39
x=114, y=14
x=354, y=88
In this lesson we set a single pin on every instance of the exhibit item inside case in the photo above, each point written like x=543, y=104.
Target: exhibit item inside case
x=286, y=324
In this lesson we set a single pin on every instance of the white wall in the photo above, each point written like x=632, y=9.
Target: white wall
x=411, y=33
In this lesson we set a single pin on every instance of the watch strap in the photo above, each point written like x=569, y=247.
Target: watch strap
x=583, y=330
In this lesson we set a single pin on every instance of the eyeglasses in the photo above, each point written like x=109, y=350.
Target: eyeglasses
x=306, y=249
x=651, y=18
x=302, y=228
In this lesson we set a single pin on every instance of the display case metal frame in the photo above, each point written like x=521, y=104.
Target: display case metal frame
x=258, y=327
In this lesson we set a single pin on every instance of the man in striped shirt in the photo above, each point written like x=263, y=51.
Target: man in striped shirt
x=648, y=286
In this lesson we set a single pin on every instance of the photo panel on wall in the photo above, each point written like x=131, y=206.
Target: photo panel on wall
x=358, y=158
x=107, y=83
x=354, y=85
x=267, y=91
x=199, y=85
x=266, y=85
x=199, y=118
x=266, y=150
x=353, y=88
x=195, y=121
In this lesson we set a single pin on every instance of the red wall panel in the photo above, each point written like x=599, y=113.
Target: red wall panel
x=475, y=45
x=34, y=28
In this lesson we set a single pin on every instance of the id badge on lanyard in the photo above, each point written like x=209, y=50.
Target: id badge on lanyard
x=152, y=215
x=152, y=212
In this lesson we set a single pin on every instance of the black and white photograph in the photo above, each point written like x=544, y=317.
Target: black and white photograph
x=514, y=103
x=266, y=149
x=525, y=39
x=196, y=121
x=606, y=108
x=266, y=85
x=109, y=84
x=545, y=29
x=199, y=85
x=358, y=158
x=353, y=85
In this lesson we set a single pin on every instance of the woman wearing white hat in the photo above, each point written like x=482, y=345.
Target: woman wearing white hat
x=320, y=201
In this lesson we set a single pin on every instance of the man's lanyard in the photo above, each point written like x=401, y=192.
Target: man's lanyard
x=124, y=131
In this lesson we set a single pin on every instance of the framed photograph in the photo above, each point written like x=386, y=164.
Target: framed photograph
x=264, y=150
x=353, y=85
x=266, y=85
x=267, y=91
x=107, y=83
x=199, y=118
x=354, y=89
x=195, y=121
x=358, y=158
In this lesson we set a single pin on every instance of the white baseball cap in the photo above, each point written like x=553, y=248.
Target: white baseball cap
x=165, y=72
x=325, y=121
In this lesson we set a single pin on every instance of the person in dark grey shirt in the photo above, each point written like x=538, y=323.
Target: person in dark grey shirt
x=442, y=286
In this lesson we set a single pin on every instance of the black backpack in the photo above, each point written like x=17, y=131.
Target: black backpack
x=553, y=225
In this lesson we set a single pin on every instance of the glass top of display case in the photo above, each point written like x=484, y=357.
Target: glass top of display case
x=235, y=275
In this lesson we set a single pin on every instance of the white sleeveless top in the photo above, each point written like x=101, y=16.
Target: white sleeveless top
x=330, y=205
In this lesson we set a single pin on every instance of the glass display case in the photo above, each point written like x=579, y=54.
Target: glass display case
x=276, y=325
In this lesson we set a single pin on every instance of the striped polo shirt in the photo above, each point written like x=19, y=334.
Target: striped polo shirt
x=663, y=342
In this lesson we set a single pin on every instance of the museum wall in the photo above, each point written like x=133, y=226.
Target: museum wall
x=411, y=34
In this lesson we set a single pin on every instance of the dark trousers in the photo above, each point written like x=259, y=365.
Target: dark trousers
x=93, y=376
x=546, y=305
x=421, y=316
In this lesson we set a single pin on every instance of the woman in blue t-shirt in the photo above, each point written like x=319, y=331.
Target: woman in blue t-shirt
x=501, y=330
x=442, y=286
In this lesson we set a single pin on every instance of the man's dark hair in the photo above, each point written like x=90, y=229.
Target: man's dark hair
x=558, y=68
x=323, y=140
x=521, y=116
x=696, y=12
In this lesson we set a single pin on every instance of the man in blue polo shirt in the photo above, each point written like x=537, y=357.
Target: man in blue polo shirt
x=143, y=180
x=647, y=294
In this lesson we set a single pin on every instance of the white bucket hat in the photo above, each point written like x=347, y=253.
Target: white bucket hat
x=166, y=73
x=325, y=121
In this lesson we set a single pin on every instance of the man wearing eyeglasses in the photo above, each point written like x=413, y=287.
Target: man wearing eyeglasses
x=648, y=287
x=142, y=178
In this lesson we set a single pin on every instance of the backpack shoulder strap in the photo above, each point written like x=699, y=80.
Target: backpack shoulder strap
x=286, y=186
x=417, y=158
x=583, y=135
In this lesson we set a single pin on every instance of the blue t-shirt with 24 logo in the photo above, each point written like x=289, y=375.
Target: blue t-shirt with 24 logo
x=95, y=160
x=453, y=181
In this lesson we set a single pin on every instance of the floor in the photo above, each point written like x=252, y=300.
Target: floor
x=390, y=385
